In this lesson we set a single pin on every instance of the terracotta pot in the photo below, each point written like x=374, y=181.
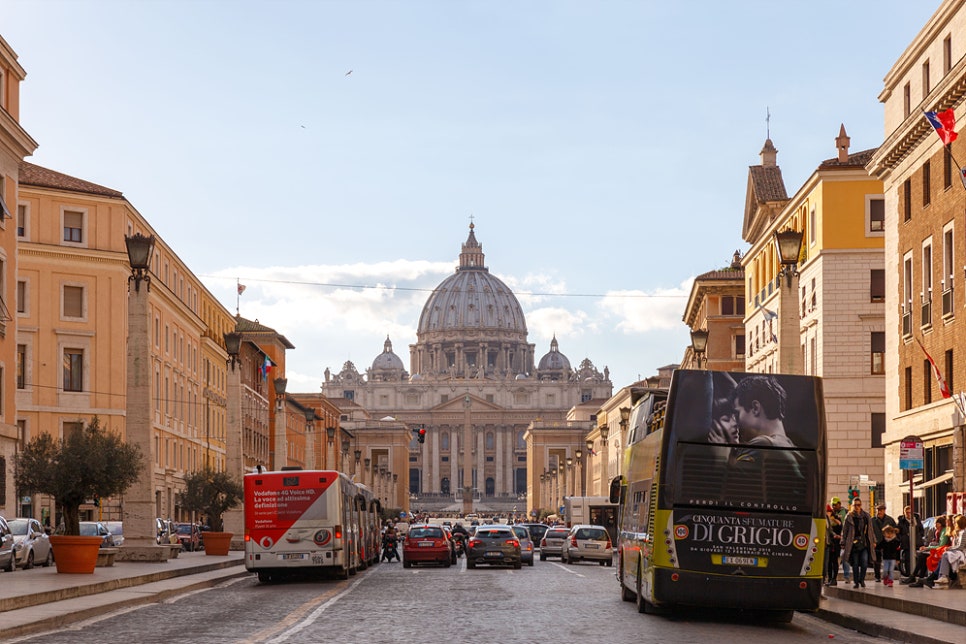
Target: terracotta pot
x=74, y=554
x=218, y=543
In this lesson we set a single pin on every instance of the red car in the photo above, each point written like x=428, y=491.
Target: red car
x=427, y=543
x=189, y=534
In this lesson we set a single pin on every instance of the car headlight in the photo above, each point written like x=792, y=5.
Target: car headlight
x=18, y=546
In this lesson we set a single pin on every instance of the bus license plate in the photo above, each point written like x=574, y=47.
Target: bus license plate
x=740, y=561
x=295, y=556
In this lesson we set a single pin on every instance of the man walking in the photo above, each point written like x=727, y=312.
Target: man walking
x=879, y=521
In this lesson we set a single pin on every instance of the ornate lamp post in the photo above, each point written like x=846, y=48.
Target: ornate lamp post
x=604, y=434
x=570, y=472
x=310, y=438
x=789, y=243
x=699, y=344
x=330, y=452
x=358, y=455
x=139, y=500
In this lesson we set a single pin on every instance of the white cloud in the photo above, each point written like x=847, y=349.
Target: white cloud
x=640, y=311
x=547, y=322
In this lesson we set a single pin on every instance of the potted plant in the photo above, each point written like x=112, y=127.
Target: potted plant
x=211, y=493
x=89, y=464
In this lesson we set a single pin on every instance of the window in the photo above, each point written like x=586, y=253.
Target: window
x=926, y=293
x=949, y=370
x=906, y=199
x=21, y=366
x=925, y=79
x=925, y=183
x=21, y=296
x=947, y=54
x=878, y=352
x=947, y=168
x=878, y=427
x=906, y=100
x=739, y=346
x=73, y=370
x=73, y=302
x=73, y=226
x=733, y=305
x=877, y=285
x=926, y=382
x=585, y=396
x=907, y=381
x=21, y=220
x=72, y=429
x=876, y=215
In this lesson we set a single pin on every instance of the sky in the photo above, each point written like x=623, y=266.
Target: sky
x=329, y=155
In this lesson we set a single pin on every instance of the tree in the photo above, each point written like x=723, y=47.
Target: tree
x=211, y=493
x=89, y=464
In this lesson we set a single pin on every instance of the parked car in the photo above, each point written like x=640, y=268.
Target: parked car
x=31, y=543
x=117, y=531
x=526, y=543
x=96, y=528
x=8, y=555
x=493, y=545
x=189, y=534
x=537, y=530
x=552, y=543
x=588, y=542
x=426, y=543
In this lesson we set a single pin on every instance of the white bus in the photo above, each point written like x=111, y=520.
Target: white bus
x=298, y=520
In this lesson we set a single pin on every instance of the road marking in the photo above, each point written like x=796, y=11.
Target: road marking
x=567, y=568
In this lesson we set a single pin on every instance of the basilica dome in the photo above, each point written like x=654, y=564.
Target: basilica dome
x=554, y=359
x=472, y=299
x=472, y=324
x=387, y=365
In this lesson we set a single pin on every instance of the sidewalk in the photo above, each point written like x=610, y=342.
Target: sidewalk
x=41, y=599
x=900, y=613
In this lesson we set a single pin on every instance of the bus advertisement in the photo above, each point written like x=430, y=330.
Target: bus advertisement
x=722, y=493
x=308, y=519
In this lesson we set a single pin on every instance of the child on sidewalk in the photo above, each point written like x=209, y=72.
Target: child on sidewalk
x=888, y=553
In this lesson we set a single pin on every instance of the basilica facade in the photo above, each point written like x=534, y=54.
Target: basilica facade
x=475, y=384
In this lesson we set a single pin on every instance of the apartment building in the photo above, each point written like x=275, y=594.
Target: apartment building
x=925, y=247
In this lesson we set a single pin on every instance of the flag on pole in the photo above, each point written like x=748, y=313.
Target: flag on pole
x=943, y=388
x=769, y=315
x=944, y=123
x=241, y=288
x=266, y=368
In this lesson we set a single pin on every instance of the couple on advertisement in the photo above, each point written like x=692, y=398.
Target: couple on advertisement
x=750, y=415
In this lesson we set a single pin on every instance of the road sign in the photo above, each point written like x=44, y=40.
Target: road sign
x=910, y=453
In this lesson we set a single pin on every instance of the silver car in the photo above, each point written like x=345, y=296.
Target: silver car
x=526, y=543
x=31, y=543
x=588, y=542
x=552, y=543
x=8, y=556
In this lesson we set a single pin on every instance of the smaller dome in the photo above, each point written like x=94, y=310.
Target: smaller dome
x=554, y=361
x=521, y=376
x=387, y=360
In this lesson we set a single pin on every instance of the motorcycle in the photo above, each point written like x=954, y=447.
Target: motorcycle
x=459, y=543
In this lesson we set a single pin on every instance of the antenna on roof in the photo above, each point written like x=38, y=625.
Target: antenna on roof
x=767, y=123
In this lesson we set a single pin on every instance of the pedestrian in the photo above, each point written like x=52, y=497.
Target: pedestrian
x=879, y=521
x=840, y=513
x=888, y=554
x=940, y=538
x=859, y=540
x=952, y=558
x=833, y=541
x=909, y=524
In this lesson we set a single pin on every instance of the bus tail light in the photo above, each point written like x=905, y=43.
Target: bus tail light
x=338, y=532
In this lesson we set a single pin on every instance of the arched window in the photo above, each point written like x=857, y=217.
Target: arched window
x=490, y=486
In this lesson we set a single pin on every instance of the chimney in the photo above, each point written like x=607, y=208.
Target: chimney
x=769, y=155
x=842, y=143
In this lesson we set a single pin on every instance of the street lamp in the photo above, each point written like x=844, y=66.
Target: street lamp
x=699, y=342
x=570, y=469
x=233, y=348
x=139, y=251
x=280, y=385
x=583, y=470
x=604, y=434
x=310, y=437
x=330, y=452
x=789, y=243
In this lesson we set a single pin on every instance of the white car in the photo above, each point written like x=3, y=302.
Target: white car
x=30, y=542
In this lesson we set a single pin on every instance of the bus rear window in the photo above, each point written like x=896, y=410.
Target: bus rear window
x=742, y=478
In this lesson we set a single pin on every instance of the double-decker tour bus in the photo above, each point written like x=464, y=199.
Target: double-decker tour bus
x=298, y=520
x=722, y=494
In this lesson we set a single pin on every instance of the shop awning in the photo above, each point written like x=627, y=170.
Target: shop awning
x=936, y=481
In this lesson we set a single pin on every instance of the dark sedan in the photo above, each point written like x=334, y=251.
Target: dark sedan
x=493, y=545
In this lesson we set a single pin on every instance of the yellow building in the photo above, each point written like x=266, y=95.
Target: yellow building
x=831, y=321
x=15, y=144
x=72, y=283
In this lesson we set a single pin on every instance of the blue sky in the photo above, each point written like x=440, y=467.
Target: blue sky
x=602, y=148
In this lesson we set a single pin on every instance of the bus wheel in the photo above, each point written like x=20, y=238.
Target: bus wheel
x=627, y=594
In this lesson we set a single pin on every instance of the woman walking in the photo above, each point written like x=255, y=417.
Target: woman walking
x=858, y=538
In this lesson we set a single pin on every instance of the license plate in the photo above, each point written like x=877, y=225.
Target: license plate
x=295, y=556
x=494, y=554
x=740, y=561
x=425, y=544
x=593, y=546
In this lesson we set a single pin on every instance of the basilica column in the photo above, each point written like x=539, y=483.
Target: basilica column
x=500, y=486
x=431, y=463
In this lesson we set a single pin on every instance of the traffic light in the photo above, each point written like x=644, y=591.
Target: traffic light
x=422, y=433
x=853, y=493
